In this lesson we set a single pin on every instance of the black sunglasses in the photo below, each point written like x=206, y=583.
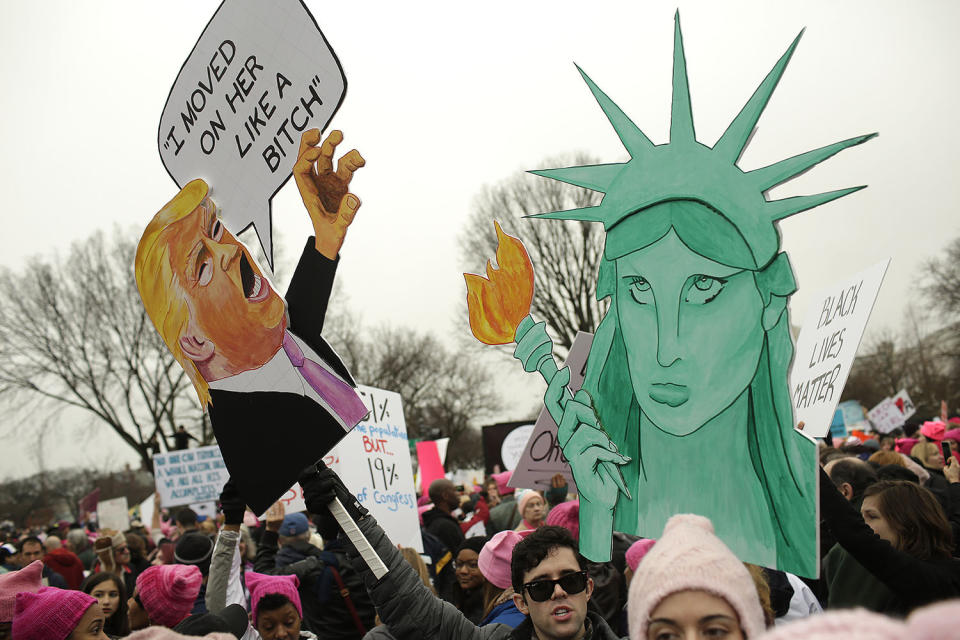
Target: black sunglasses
x=572, y=583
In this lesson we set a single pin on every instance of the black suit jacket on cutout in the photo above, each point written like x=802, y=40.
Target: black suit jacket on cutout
x=268, y=437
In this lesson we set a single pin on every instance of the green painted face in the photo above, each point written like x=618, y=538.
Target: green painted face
x=692, y=330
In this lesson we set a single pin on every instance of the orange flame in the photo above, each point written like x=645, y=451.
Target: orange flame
x=500, y=301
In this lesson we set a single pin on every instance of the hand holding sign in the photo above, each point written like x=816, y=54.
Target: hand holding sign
x=324, y=191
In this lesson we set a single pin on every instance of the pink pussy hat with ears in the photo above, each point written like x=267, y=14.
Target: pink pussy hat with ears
x=14, y=582
x=637, y=551
x=49, y=614
x=168, y=592
x=689, y=557
x=502, y=479
x=260, y=585
x=933, y=430
x=495, y=557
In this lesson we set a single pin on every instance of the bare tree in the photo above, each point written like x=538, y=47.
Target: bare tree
x=74, y=333
x=444, y=394
x=565, y=255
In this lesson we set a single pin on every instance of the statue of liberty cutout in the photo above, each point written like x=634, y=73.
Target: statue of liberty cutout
x=685, y=406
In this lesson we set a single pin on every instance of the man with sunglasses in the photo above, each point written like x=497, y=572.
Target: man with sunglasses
x=551, y=585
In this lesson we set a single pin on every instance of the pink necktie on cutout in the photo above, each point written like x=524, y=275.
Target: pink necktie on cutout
x=338, y=395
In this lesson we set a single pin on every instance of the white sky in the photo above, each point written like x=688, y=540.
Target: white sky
x=445, y=97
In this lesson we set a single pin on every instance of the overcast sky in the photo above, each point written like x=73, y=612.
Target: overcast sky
x=446, y=97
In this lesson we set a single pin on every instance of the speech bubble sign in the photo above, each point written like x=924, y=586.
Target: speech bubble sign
x=260, y=74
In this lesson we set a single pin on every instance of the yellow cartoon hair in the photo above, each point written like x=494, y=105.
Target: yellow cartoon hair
x=160, y=290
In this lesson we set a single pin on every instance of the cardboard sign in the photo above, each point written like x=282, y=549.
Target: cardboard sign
x=260, y=74
x=542, y=458
x=189, y=475
x=112, y=514
x=828, y=342
x=373, y=461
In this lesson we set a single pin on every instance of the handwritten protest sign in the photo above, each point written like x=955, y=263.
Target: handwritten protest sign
x=542, y=458
x=260, y=74
x=189, y=475
x=112, y=514
x=514, y=445
x=828, y=342
x=373, y=461
x=891, y=413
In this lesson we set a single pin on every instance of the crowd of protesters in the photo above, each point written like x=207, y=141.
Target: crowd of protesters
x=503, y=563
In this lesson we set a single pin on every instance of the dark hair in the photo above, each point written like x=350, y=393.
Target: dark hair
x=272, y=602
x=531, y=551
x=29, y=539
x=914, y=513
x=187, y=517
x=854, y=471
x=896, y=472
x=117, y=624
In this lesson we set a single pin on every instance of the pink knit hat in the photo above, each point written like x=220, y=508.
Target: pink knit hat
x=495, y=557
x=502, y=479
x=636, y=552
x=168, y=592
x=524, y=498
x=162, y=633
x=953, y=434
x=851, y=624
x=14, y=582
x=261, y=585
x=940, y=621
x=48, y=614
x=933, y=430
x=689, y=557
x=566, y=515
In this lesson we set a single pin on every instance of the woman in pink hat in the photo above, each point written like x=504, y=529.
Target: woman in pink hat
x=57, y=614
x=531, y=507
x=494, y=563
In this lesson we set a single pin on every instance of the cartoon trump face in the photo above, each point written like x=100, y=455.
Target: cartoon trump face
x=209, y=300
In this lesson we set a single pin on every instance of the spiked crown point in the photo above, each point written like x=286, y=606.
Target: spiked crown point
x=685, y=169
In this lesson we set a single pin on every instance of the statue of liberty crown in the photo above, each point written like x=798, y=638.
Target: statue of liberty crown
x=685, y=169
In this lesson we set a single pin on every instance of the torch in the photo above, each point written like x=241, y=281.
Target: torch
x=499, y=311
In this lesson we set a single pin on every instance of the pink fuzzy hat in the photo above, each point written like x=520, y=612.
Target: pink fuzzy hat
x=953, y=434
x=636, y=552
x=689, y=557
x=502, y=479
x=566, y=515
x=26, y=579
x=936, y=621
x=48, y=614
x=905, y=445
x=495, y=557
x=852, y=624
x=168, y=592
x=261, y=585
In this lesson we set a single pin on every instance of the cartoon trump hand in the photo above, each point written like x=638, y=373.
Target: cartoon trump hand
x=325, y=191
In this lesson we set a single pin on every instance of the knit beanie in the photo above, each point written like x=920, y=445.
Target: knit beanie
x=495, y=557
x=940, y=621
x=194, y=548
x=566, y=515
x=689, y=557
x=637, y=550
x=14, y=582
x=933, y=430
x=851, y=624
x=168, y=592
x=524, y=498
x=162, y=633
x=473, y=543
x=48, y=614
x=260, y=585
x=502, y=479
